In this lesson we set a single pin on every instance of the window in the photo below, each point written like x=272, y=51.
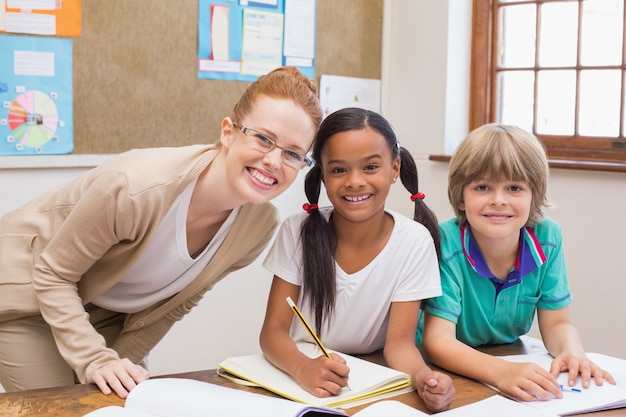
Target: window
x=555, y=68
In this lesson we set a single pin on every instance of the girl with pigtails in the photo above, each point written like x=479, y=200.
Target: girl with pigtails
x=358, y=270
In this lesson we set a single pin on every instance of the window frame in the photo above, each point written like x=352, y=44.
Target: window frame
x=606, y=154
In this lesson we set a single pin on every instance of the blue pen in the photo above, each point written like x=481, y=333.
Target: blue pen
x=568, y=389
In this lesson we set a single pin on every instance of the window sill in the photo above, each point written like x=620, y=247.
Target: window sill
x=563, y=163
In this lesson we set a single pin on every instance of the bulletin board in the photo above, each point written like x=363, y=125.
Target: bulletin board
x=135, y=70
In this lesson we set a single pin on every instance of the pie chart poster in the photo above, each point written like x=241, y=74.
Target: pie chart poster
x=36, y=113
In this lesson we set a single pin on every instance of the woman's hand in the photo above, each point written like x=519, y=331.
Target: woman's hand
x=120, y=376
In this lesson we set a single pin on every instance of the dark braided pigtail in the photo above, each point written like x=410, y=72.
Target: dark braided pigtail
x=422, y=214
x=318, y=248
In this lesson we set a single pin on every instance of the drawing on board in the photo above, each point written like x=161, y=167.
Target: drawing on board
x=36, y=96
x=33, y=120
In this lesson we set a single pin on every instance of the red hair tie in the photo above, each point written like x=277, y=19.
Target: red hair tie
x=415, y=196
x=308, y=207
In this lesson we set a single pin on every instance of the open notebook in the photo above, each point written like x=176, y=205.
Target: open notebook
x=594, y=398
x=368, y=381
x=177, y=397
x=174, y=397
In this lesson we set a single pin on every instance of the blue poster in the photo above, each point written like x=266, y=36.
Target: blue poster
x=244, y=39
x=36, y=95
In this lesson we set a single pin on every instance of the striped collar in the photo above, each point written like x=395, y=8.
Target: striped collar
x=529, y=257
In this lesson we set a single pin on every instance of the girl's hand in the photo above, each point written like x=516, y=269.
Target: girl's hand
x=436, y=389
x=322, y=376
x=120, y=376
x=527, y=381
x=579, y=365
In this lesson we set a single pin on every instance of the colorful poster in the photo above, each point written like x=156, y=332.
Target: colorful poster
x=41, y=17
x=36, y=96
x=241, y=40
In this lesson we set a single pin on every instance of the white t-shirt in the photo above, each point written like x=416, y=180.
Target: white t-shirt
x=166, y=267
x=406, y=269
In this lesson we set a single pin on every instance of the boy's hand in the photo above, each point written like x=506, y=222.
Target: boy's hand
x=579, y=365
x=527, y=381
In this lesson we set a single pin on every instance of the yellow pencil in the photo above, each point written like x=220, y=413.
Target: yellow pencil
x=309, y=329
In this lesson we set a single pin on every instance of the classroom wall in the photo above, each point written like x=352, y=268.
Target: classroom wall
x=424, y=80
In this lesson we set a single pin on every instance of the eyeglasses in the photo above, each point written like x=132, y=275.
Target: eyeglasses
x=265, y=144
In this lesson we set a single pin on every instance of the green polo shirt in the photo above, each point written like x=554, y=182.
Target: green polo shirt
x=485, y=309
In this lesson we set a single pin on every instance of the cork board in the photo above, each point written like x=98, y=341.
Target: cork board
x=135, y=82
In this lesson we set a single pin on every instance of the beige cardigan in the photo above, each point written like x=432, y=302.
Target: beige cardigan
x=64, y=248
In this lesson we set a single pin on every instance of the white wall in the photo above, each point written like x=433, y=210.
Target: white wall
x=425, y=96
x=24, y=177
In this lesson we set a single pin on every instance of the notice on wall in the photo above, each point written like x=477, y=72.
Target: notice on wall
x=36, y=116
x=338, y=92
x=41, y=17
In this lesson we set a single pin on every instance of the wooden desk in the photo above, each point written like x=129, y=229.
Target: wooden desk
x=78, y=400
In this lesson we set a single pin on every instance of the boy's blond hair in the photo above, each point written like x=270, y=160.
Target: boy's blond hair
x=499, y=152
